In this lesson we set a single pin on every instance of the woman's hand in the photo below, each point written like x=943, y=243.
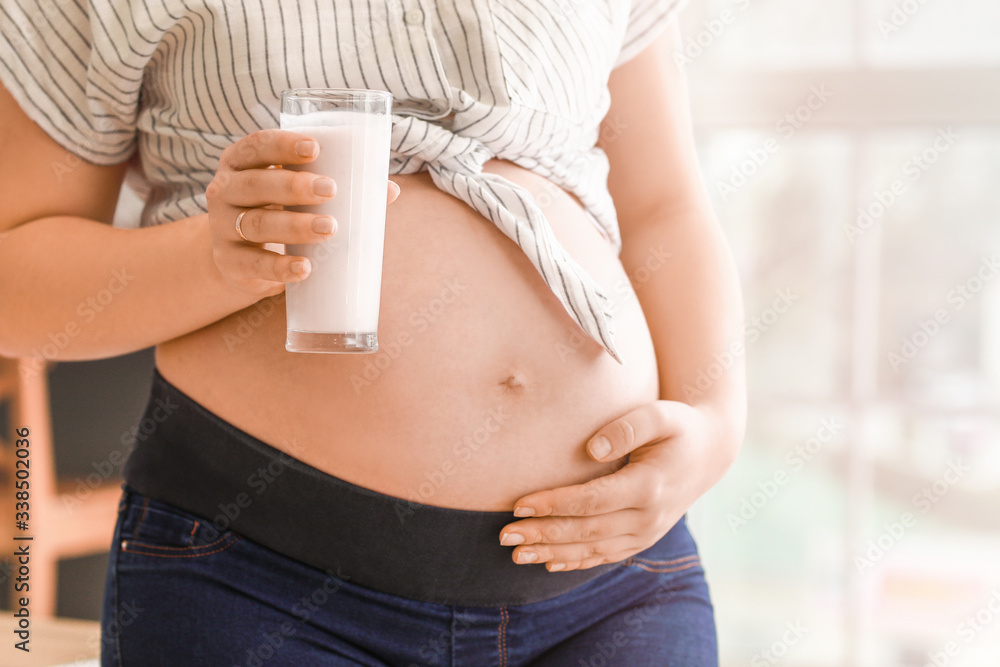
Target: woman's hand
x=677, y=453
x=246, y=180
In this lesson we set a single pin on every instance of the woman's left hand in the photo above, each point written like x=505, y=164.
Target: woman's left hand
x=677, y=453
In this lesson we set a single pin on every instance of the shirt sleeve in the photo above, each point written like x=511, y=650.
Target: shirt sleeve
x=647, y=20
x=75, y=68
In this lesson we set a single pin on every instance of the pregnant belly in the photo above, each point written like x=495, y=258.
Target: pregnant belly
x=483, y=390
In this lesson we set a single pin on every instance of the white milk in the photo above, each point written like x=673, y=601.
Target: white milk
x=341, y=295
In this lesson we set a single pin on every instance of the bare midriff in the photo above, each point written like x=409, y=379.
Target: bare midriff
x=484, y=389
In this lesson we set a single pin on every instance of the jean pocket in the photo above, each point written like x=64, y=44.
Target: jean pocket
x=154, y=528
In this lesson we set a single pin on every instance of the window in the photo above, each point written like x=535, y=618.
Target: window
x=853, y=153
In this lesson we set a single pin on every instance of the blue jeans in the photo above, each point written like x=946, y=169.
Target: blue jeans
x=176, y=598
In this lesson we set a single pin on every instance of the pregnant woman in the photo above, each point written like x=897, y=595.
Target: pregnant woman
x=505, y=481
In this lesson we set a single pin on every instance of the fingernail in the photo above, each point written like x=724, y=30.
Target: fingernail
x=524, y=511
x=300, y=266
x=322, y=224
x=555, y=567
x=600, y=447
x=323, y=186
x=511, y=539
x=307, y=148
x=527, y=557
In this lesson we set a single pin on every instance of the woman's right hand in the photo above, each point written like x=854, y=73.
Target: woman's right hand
x=247, y=180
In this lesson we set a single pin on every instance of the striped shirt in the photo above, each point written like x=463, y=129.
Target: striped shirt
x=172, y=83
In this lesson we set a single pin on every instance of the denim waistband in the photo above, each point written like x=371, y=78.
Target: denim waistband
x=189, y=457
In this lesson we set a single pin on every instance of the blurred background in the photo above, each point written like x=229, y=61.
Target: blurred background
x=853, y=152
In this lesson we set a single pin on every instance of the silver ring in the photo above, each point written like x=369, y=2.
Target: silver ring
x=239, y=223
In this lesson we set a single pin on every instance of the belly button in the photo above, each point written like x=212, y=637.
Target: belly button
x=512, y=384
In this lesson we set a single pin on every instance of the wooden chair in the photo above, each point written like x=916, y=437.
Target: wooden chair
x=65, y=520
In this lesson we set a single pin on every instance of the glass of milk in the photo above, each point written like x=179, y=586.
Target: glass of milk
x=335, y=309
